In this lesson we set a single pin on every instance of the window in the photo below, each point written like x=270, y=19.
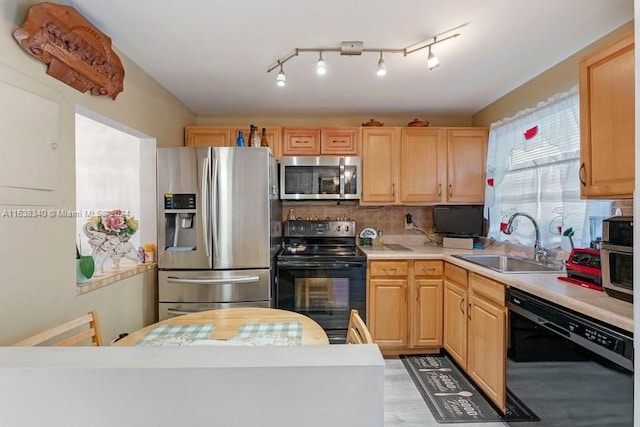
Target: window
x=532, y=167
x=115, y=168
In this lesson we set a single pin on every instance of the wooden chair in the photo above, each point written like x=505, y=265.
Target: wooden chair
x=357, y=333
x=62, y=331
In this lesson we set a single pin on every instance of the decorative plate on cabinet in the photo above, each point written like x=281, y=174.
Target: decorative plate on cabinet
x=373, y=123
x=418, y=123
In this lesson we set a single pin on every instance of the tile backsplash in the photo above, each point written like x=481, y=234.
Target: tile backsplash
x=389, y=219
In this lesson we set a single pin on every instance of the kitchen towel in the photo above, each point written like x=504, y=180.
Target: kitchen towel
x=289, y=333
x=175, y=335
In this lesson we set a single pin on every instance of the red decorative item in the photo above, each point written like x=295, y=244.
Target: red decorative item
x=503, y=226
x=530, y=133
x=490, y=182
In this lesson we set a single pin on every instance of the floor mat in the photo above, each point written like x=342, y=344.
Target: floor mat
x=452, y=398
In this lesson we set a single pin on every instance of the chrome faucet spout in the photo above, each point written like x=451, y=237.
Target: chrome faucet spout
x=539, y=253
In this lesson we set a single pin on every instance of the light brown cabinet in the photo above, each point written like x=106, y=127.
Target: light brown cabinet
x=387, y=302
x=455, y=313
x=208, y=136
x=306, y=141
x=607, y=121
x=466, y=163
x=225, y=136
x=405, y=304
x=379, y=165
x=423, y=166
x=475, y=320
x=486, y=351
x=425, y=308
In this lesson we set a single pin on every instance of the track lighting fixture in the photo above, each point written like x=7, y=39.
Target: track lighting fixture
x=281, y=79
x=432, y=60
x=321, y=66
x=356, y=48
x=382, y=69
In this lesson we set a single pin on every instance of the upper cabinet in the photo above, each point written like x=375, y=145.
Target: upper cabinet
x=305, y=141
x=208, y=136
x=607, y=109
x=422, y=166
x=225, y=136
x=379, y=165
x=466, y=164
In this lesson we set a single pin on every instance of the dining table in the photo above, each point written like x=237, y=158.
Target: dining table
x=230, y=326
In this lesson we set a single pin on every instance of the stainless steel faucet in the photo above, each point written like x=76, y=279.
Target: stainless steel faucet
x=539, y=253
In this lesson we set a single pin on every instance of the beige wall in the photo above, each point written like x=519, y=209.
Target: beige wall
x=37, y=256
x=557, y=79
x=332, y=120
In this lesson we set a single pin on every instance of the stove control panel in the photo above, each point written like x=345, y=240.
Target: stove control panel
x=320, y=228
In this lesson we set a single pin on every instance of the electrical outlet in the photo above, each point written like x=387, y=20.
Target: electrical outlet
x=408, y=222
x=408, y=225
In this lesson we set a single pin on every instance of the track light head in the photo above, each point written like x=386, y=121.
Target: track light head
x=321, y=66
x=432, y=60
x=281, y=78
x=382, y=69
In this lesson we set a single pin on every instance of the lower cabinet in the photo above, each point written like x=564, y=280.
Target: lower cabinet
x=475, y=329
x=404, y=310
x=455, y=313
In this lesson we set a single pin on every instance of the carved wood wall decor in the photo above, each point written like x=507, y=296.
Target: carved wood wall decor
x=78, y=53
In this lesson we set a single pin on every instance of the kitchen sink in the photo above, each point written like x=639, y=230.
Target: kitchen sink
x=396, y=247
x=511, y=264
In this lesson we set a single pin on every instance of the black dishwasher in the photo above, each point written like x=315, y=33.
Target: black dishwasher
x=568, y=368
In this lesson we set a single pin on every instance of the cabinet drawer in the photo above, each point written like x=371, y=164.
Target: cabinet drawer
x=339, y=141
x=427, y=268
x=389, y=269
x=301, y=142
x=490, y=289
x=455, y=273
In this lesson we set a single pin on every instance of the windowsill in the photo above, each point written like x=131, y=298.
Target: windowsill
x=110, y=275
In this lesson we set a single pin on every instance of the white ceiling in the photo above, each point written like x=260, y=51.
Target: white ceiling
x=214, y=55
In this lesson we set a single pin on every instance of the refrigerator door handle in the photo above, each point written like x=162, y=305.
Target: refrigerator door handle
x=205, y=205
x=237, y=279
x=214, y=208
x=341, y=167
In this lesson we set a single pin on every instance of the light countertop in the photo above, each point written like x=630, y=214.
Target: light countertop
x=590, y=302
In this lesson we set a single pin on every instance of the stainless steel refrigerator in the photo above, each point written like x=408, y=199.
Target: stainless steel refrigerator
x=219, y=228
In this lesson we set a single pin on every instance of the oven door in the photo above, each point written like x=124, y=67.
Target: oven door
x=323, y=291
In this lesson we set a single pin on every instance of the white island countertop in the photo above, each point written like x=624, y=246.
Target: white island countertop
x=593, y=303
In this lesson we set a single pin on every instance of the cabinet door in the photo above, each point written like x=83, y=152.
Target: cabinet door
x=301, y=142
x=466, y=163
x=339, y=141
x=426, y=313
x=607, y=117
x=422, y=165
x=274, y=138
x=208, y=136
x=455, y=321
x=388, y=312
x=379, y=166
x=486, y=359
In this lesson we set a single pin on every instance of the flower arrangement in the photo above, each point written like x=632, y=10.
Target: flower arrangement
x=115, y=223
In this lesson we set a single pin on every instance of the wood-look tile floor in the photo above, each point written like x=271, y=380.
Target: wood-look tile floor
x=403, y=404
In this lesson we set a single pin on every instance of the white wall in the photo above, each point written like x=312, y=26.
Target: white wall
x=37, y=285
x=311, y=386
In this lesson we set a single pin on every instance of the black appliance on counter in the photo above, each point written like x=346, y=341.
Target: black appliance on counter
x=321, y=273
x=616, y=252
x=568, y=368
